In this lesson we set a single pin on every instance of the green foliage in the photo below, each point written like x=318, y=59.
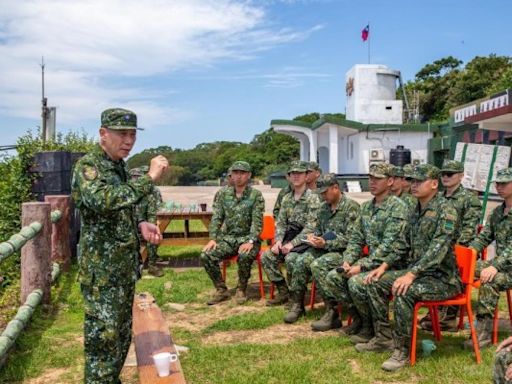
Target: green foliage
x=444, y=83
x=16, y=181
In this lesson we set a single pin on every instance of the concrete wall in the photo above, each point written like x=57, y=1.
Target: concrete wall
x=373, y=98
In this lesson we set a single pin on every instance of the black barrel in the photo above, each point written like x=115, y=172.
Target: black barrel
x=51, y=173
x=400, y=156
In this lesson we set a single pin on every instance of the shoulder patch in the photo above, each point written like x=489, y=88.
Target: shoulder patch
x=90, y=172
x=430, y=214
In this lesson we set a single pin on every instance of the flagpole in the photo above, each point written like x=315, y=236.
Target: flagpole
x=369, y=38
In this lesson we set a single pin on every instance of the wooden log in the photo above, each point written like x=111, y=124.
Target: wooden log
x=61, y=251
x=36, y=253
x=151, y=336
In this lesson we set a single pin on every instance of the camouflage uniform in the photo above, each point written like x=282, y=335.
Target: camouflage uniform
x=284, y=191
x=501, y=362
x=409, y=199
x=147, y=210
x=235, y=221
x=432, y=262
x=109, y=257
x=303, y=212
x=498, y=228
x=383, y=229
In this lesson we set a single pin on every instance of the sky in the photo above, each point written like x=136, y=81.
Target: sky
x=199, y=71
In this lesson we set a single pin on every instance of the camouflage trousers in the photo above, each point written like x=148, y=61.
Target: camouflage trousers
x=298, y=266
x=272, y=266
x=358, y=291
x=107, y=331
x=423, y=288
x=336, y=288
x=489, y=293
x=225, y=249
x=501, y=362
x=320, y=268
x=152, y=253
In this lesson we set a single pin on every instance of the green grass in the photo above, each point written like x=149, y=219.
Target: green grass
x=179, y=252
x=53, y=341
x=179, y=226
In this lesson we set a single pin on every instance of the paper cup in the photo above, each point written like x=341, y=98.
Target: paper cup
x=163, y=362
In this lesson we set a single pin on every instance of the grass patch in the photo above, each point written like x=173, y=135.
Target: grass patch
x=248, y=321
x=178, y=226
x=179, y=252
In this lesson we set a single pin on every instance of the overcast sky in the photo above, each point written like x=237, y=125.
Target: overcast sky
x=199, y=70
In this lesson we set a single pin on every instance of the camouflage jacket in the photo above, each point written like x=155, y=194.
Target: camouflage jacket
x=383, y=229
x=468, y=212
x=499, y=228
x=106, y=199
x=279, y=200
x=303, y=211
x=432, y=230
x=241, y=218
x=410, y=200
x=149, y=205
x=340, y=221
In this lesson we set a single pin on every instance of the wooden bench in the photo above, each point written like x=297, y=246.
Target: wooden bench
x=151, y=335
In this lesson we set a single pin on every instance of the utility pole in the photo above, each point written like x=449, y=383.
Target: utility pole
x=44, y=101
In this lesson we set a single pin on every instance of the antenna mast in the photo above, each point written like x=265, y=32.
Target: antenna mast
x=44, y=101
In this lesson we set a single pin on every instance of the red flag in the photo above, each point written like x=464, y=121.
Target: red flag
x=365, y=33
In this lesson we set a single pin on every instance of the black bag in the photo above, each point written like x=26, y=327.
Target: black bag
x=291, y=233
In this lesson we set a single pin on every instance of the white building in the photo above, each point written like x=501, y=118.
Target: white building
x=373, y=126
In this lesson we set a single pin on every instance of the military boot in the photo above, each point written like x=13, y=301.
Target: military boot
x=297, y=310
x=240, y=295
x=221, y=295
x=330, y=319
x=155, y=271
x=356, y=324
x=383, y=340
x=483, y=334
x=399, y=358
x=447, y=320
x=365, y=334
x=282, y=297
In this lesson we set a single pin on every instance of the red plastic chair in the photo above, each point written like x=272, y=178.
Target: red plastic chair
x=466, y=261
x=267, y=235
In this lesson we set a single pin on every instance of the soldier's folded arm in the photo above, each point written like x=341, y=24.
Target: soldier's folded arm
x=101, y=196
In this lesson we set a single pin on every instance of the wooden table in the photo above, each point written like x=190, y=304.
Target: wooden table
x=187, y=237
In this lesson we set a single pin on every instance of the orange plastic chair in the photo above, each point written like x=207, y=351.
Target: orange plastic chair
x=466, y=261
x=267, y=235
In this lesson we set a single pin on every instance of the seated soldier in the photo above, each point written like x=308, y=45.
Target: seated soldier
x=146, y=210
x=496, y=274
x=284, y=191
x=381, y=226
x=468, y=215
x=234, y=230
x=502, y=372
x=335, y=218
x=313, y=172
x=297, y=218
x=406, y=181
x=399, y=187
x=432, y=273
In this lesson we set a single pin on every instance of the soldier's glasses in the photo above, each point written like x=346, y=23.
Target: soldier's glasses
x=445, y=174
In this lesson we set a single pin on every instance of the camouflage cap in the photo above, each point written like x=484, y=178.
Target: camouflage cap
x=397, y=171
x=408, y=169
x=298, y=166
x=325, y=181
x=503, y=176
x=241, y=166
x=313, y=166
x=380, y=170
x=452, y=166
x=425, y=171
x=137, y=172
x=118, y=119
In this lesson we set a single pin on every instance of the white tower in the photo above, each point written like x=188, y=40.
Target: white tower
x=371, y=95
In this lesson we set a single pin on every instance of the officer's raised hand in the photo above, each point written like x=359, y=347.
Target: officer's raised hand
x=158, y=166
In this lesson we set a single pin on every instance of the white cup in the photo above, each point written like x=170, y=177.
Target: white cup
x=163, y=361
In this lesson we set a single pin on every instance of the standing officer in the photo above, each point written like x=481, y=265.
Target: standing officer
x=496, y=274
x=235, y=229
x=468, y=213
x=108, y=264
x=147, y=210
x=297, y=218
